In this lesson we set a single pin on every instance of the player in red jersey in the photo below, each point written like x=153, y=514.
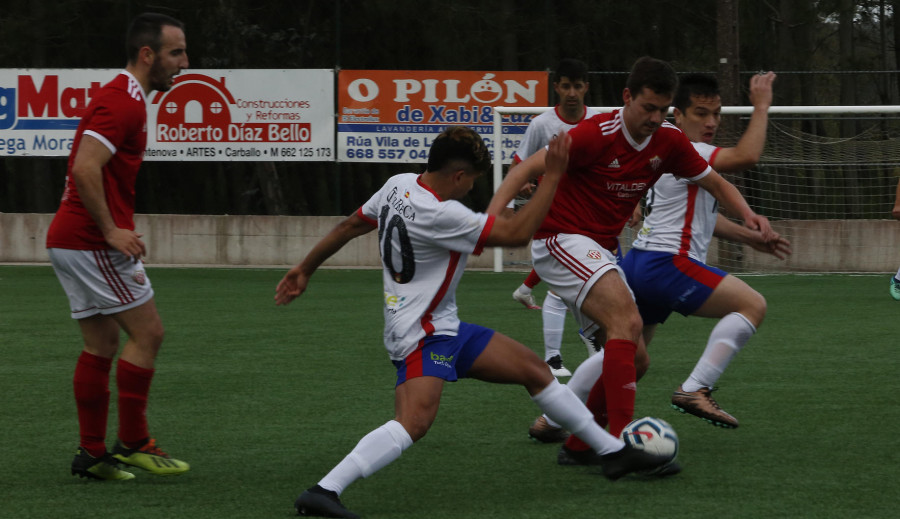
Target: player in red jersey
x=96, y=255
x=614, y=159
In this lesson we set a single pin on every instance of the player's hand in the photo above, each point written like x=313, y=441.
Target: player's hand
x=776, y=246
x=526, y=190
x=127, y=242
x=760, y=223
x=291, y=286
x=635, y=217
x=761, y=89
x=557, y=159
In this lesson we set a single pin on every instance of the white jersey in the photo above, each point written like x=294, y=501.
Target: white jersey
x=681, y=216
x=424, y=243
x=543, y=128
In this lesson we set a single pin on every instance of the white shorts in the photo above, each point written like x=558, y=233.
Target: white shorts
x=100, y=281
x=570, y=264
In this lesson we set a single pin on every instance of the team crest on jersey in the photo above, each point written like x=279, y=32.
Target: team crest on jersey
x=139, y=277
x=595, y=254
x=655, y=162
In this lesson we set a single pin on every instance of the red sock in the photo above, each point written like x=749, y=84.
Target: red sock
x=596, y=403
x=134, y=386
x=91, y=384
x=619, y=382
x=532, y=279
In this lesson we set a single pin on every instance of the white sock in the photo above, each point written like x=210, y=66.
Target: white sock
x=524, y=289
x=897, y=275
x=553, y=312
x=373, y=452
x=563, y=407
x=726, y=339
x=583, y=380
x=587, y=374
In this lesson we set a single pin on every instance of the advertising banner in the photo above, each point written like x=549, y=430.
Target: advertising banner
x=207, y=115
x=394, y=115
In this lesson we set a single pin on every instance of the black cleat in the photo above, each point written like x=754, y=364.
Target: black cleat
x=567, y=456
x=105, y=467
x=629, y=460
x=321, y=503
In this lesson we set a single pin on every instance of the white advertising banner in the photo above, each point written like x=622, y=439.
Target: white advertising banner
x=207, y=115
x=395, y=115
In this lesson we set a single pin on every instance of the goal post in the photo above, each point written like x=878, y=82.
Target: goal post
x=826, y=181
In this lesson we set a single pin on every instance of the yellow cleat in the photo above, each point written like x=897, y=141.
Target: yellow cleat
x=104, y=468
x=150, y=458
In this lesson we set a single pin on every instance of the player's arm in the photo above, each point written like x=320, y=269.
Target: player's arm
x=748, y=150
x=526, y=171
x=636, y=216
x=776, y=246
x=295, y=281
x=518, y=229
x=733, y=202
x=525, y=191
x=87, y=173
x=895, y=212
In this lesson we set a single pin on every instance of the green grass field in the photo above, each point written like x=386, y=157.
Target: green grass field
x=264, y=400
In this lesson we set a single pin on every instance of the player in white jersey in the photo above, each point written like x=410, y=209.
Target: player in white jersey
x=895, y=281
x=425, y=236
x=666, y=267
x=571, y=86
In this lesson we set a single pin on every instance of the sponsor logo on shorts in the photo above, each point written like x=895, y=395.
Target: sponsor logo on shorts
x=595, y=254
x=139, y=277
x=442, y=360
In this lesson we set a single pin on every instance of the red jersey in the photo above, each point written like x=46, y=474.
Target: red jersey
x=117, y=117
x=609, y=173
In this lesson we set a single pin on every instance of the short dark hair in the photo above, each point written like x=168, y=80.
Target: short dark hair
x=146, y=31
x=690, y=85
x=571, y=68
x=652, y=73
x=459, y=143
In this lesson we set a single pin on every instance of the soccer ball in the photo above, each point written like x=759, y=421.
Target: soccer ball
x=653, y=435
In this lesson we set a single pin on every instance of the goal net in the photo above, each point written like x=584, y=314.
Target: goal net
x=827, y=181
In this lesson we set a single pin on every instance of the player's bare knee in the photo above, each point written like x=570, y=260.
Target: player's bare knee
x=755, y=310
x=627, y=326
x=538, y=377
x=416, y=427
x=150, y=340
x=156, y=335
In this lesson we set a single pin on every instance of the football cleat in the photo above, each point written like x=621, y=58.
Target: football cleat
x=526, y=299
x=895, y=289
x=321, y=503
x=150, y=458
x=590, y=342
x=104, y=468
x=567, y=456
x=669, y=469
x=557, y=368
x=542, y=431
x=630, y=460
x=700, y=403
